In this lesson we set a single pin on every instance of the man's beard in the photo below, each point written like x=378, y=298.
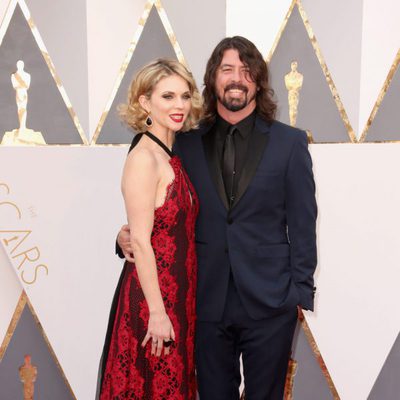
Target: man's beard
x=235, y=104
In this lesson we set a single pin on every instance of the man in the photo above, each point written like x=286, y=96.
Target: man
x=255, y=233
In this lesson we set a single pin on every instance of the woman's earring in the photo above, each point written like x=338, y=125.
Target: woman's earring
x=149, y=121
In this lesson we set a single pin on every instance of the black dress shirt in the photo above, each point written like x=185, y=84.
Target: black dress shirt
x=241, y=140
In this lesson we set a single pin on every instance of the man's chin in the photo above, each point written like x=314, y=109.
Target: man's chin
x=234, y=105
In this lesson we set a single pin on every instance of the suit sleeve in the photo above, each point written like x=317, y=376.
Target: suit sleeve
x=118, y=250
x=176, y=148
x=301, y=210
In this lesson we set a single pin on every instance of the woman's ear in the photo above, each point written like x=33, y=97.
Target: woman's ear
x=144, y=102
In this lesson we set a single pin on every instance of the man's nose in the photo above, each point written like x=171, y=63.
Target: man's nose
x=237, y=75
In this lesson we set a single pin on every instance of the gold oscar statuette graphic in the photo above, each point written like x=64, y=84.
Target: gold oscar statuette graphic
x=28, y=374
x=294, y=83
x=291, y=372
x=22, y=136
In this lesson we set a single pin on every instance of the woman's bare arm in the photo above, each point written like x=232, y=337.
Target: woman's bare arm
x=140, y=182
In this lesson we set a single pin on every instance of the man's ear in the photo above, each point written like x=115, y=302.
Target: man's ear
x=144, y=102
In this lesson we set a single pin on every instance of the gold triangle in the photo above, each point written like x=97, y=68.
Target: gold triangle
x=22, y=302
x=318, y=356
x=53, y=354
x=280, y=32
x=13, y=323
x=35, y=32
x=379, y=100
x=314, y=347
x=321, y=61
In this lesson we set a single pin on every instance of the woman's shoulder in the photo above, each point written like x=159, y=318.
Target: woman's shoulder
x=141, y=159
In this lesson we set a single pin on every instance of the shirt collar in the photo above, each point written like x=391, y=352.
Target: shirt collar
x=245, y=126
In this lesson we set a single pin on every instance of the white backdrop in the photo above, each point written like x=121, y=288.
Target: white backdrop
x=74, y=194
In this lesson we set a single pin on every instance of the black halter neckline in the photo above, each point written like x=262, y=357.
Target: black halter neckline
x=160, y=143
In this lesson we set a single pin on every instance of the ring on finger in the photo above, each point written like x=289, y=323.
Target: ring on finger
x=167, y=342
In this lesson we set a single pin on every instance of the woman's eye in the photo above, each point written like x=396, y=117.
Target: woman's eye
x=187, y=96
x=167, y=96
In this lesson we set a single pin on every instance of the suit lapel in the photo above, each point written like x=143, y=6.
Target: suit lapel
x=210, y=151
x=255, y=151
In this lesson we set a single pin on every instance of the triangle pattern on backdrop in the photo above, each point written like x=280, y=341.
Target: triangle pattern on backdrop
x=153, y=39
x=310, y=367
x=10, y=293
x=28, y=338
x=48, y=110
x=388, y=383
x=306, y=365
x=309, y=89
x=382, y=125
x=13, y=324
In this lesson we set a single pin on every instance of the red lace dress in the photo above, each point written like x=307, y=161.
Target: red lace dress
x=130, y=371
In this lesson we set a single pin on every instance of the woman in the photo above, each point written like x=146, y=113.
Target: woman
x=149, y=346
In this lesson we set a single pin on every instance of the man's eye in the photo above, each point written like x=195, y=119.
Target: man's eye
x=226, y=70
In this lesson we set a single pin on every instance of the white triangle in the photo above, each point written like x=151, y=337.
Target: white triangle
x=106, y=51
x=3, y=9
x=10, y=292
x=356, y=319
x=257, y=20
x=60, y=206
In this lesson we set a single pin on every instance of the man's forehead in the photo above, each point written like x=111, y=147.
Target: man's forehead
x=231, y=57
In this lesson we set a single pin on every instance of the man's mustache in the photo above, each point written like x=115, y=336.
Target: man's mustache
x=237, y=86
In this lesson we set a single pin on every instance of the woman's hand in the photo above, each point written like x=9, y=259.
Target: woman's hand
x=160, y=330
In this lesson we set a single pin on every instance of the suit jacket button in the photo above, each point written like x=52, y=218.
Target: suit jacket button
x=226, y=250
x=230, y=221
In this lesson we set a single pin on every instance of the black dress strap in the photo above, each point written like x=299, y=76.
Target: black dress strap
x=160, y=143
x=135, y=141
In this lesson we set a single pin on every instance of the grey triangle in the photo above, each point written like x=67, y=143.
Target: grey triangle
x=385, y=125
x=46, y=111
x=308, y=371
x=27, y=339
x=387, y=385
x=317, y=109
x=153, y=43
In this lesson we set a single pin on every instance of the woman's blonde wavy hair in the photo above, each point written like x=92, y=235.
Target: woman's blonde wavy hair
x=144, y=82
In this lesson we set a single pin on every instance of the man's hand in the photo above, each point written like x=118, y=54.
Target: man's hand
x=124, y=241
x=300, y=315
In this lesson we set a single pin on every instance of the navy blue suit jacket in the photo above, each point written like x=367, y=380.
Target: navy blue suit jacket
x=267, y=238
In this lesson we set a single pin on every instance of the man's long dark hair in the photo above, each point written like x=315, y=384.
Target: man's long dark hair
x=252, y=58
